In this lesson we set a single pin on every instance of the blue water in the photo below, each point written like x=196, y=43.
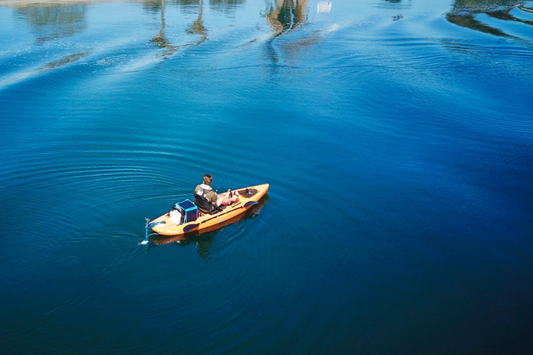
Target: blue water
x=397, y=137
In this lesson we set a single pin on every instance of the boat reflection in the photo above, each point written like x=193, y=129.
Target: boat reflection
x=464, y=14
x=203, y=239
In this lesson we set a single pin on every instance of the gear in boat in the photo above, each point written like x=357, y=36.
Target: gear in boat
x=187, y=211
x=200, y=215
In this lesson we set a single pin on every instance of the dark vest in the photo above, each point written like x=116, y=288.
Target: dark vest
x=202, y=202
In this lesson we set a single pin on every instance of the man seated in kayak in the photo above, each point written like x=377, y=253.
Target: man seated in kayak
x=207, y=199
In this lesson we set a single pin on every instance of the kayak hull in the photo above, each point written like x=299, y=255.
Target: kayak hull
x=252, y=212
x=248, y=197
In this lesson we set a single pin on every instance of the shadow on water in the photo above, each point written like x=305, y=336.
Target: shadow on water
x=464, y=13
x=69, y=59
x=53, y=21
x=203, y=240
x=63, y=61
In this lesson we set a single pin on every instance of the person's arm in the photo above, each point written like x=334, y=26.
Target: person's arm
x=213, y=197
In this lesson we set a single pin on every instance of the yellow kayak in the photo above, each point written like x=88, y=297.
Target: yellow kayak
x=188, y=219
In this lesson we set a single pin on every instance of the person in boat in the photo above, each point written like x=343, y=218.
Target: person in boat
x=207, y=199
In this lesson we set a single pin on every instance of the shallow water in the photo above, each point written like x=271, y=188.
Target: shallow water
x=397, y=137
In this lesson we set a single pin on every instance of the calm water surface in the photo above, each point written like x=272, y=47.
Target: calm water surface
x=397, y=137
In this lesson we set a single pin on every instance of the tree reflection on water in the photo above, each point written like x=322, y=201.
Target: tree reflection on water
x=464, y=14
x=286, y=15
x=225, y=6
x=160, y=38
x=53, y=21
x=197, y=27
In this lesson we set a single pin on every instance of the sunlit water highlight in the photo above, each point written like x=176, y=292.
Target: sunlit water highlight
x=396, y=136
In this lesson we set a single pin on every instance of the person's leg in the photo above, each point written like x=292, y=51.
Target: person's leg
x=222, y=199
